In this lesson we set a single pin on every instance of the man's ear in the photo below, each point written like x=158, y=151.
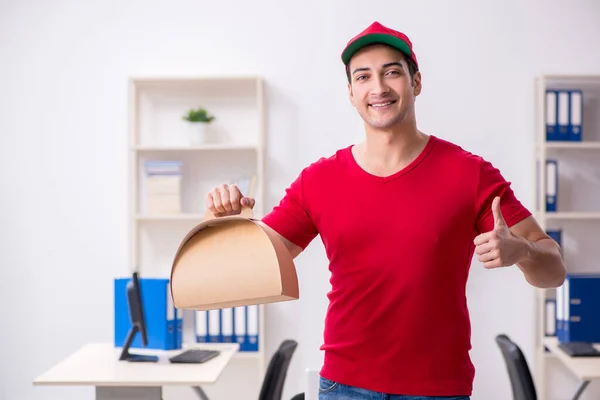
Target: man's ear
x=417, y=84
x=350, y=94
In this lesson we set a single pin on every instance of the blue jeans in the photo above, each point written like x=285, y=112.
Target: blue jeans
x=330, y=390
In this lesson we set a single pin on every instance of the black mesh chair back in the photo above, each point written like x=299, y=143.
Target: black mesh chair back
x=272, y=387
x=523, y=387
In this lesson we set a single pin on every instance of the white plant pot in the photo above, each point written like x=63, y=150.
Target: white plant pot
x=198, y=132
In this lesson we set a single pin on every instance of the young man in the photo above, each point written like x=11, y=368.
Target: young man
x=401, y=216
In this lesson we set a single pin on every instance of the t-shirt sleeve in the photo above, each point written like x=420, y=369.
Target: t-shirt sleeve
x=491, y=183
x=290, y=218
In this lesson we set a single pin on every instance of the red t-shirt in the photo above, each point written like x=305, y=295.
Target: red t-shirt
x=399, y=250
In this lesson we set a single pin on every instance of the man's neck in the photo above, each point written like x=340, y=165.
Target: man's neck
x=384, y=153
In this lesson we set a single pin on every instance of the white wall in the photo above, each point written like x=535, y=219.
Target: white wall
x=64, y=66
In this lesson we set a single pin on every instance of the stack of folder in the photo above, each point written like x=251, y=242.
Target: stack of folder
x=564, y=115
x=564, y=122
x=229, y=325
x=163, y=187
x=576, y=309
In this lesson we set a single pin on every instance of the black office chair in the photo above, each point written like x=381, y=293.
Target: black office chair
x=272, y=386
x=523, y=387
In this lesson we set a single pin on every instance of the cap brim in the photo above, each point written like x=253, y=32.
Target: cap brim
x=373, y=39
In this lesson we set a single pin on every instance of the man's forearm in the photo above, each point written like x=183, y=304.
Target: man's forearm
x=542, y=263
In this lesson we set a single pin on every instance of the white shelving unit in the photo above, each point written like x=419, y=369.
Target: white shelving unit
x=578, y=206
x=234, y=149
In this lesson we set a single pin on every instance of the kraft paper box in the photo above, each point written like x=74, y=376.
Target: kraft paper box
x=232, y=261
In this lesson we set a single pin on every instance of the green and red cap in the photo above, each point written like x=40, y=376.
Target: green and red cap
x=378, y=33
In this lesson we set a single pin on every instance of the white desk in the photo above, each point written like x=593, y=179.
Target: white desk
x=585, y=369
x=98, y=365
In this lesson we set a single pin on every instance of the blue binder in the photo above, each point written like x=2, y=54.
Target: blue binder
x=239, y=326
x=214, y=326
x=227, y=325
x=575, y=132
x=581, y=308
x=179, y=328
x=252, y=320
x=562, y=114
x=159, y=313
x=560, y=295
x=551, y=114
x=201, y=326
x=550, y=317
x=551, y=185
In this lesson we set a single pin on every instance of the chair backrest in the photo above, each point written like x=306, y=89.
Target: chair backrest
x=272, y=386
x=523, y=387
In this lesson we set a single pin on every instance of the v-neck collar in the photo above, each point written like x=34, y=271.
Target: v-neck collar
x=383, y=179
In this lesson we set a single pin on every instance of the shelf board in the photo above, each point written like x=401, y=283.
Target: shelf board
x=575, y=215
x=573, y=145
x=205, y=147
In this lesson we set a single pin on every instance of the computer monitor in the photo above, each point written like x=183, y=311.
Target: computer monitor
x=138, y=323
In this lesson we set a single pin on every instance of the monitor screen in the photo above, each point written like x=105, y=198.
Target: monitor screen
x=138, y=322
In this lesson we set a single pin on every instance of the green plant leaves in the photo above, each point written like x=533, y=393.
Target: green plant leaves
x=198, y=115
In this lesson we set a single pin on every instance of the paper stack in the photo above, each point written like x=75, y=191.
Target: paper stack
x=163, y=187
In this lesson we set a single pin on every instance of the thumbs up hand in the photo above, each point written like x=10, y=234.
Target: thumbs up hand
x=498, y=247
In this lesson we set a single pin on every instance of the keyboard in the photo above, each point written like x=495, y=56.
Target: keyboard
x=194, y=356
x=579, y=349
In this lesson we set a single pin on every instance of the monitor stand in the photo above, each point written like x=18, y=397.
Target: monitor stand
x=127, y=356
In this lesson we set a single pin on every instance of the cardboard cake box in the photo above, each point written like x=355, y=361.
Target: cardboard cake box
x=232, y=261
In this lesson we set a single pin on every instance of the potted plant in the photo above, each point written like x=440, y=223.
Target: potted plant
x=198, y=120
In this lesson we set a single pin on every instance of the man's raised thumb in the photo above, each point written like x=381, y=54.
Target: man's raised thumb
x=498, y=218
